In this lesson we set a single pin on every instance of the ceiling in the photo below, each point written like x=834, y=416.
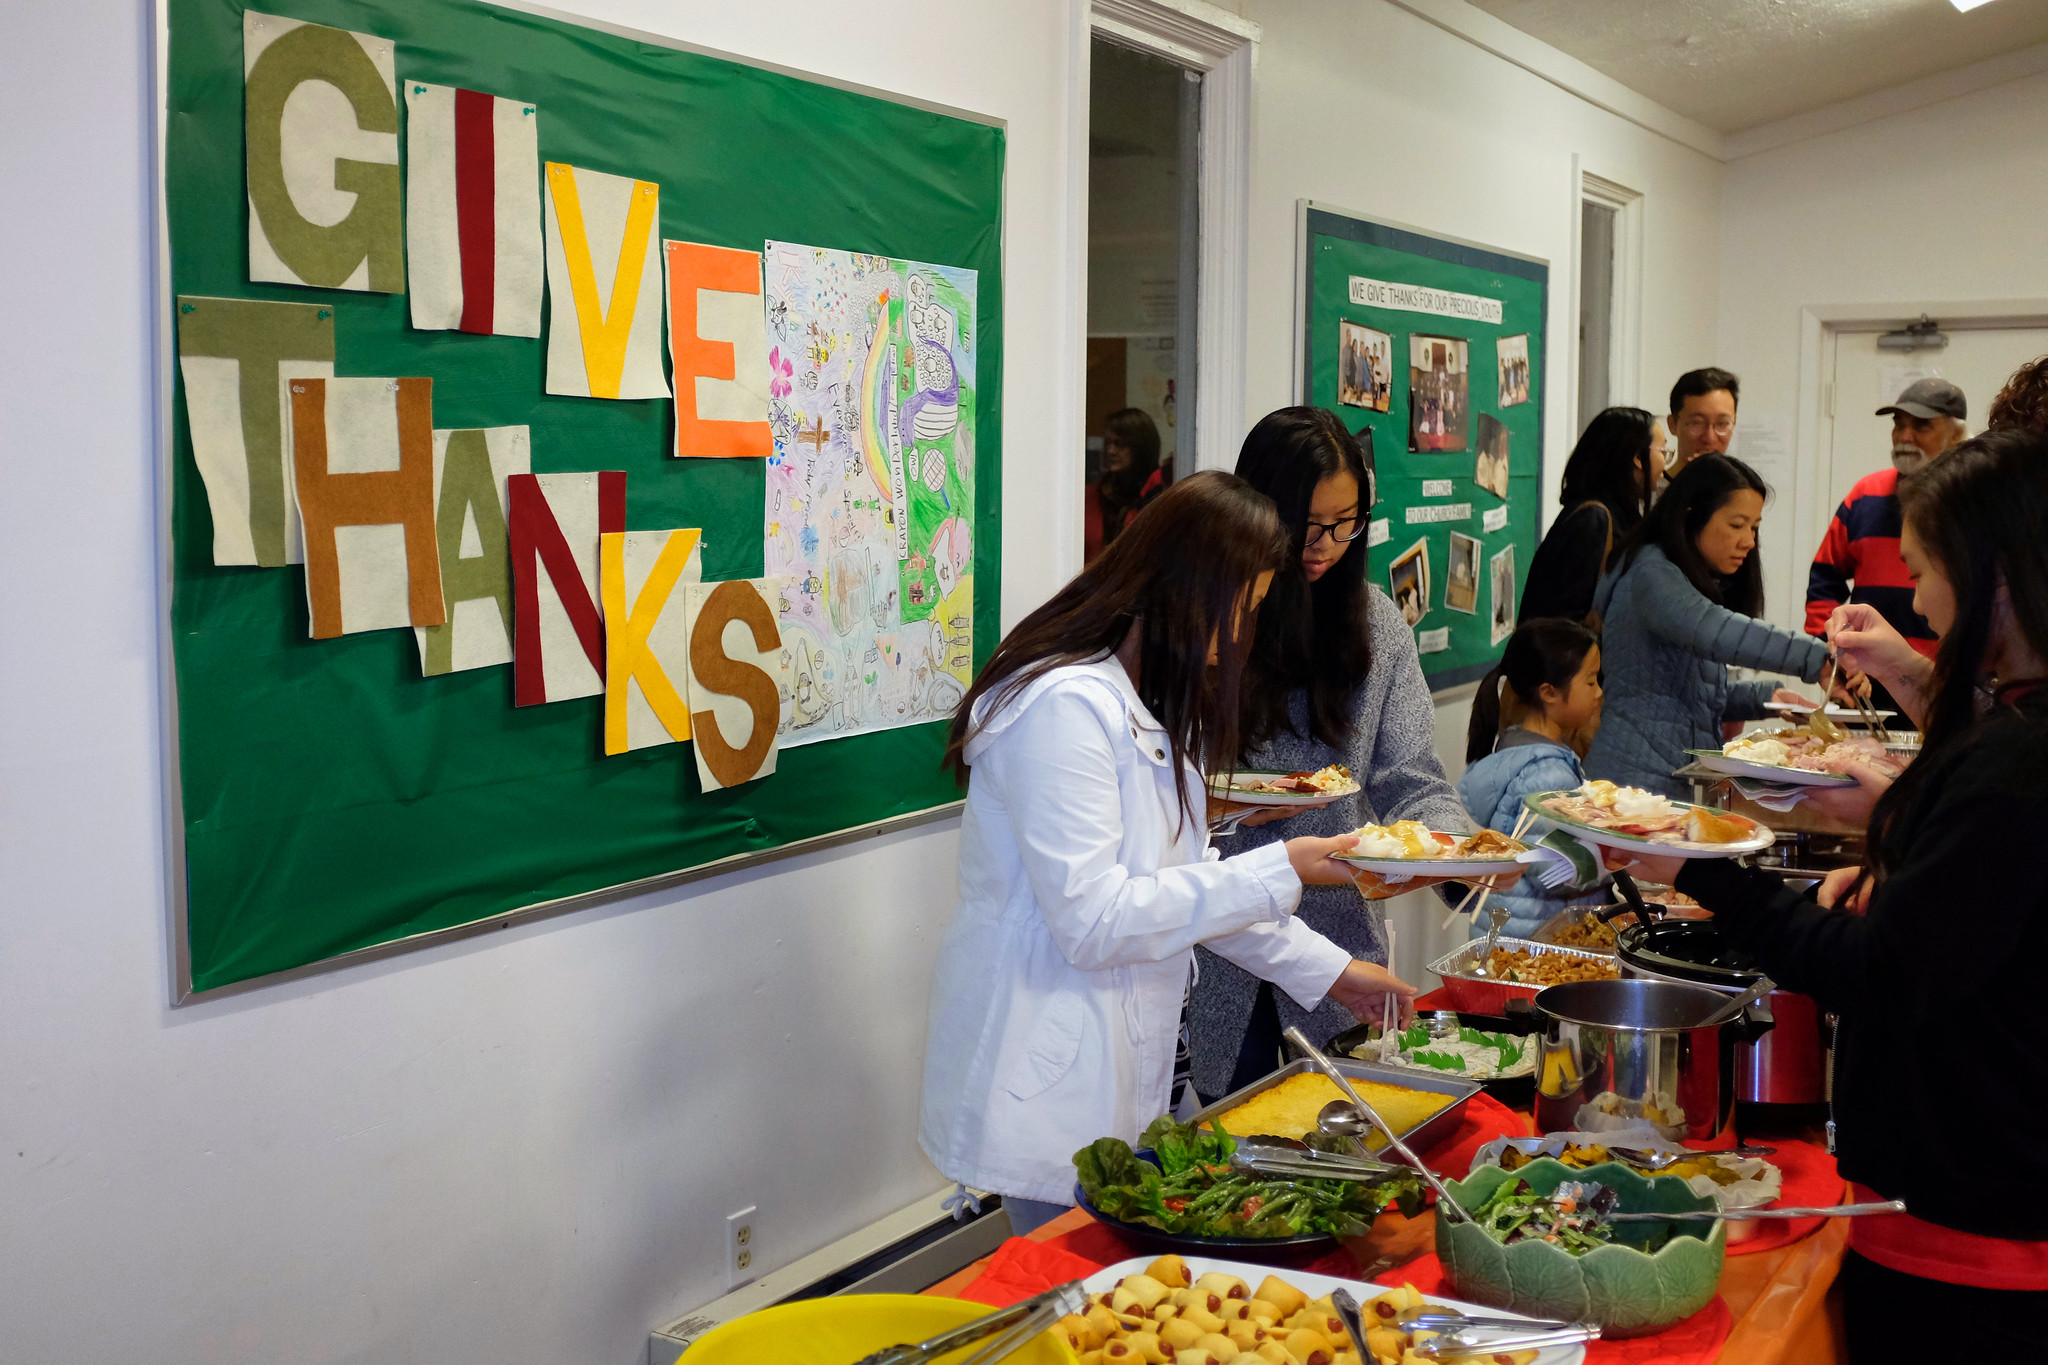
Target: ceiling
x=1735, y=64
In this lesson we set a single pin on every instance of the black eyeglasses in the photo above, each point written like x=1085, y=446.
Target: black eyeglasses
x=1347, y=530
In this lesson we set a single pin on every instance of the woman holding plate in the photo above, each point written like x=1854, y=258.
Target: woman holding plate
x=1679, y=608
x=1930, y=953
x=1085, y=873
x=1333, y=678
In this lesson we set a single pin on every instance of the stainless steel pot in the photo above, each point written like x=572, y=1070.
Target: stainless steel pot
x=1632, y=1051
x=1788, y=1065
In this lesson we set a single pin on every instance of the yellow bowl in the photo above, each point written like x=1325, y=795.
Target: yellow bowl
x=842, y=1329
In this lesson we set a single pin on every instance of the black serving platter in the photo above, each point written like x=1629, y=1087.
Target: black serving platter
x=1293, y=1252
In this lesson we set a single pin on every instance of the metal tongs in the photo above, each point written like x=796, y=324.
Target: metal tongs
x=1471, y=1338
x=1018, y=1324
x=1459, y=1335
x=1282, y=1164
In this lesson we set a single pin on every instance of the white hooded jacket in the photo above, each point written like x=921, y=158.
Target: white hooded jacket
x=1083, y=891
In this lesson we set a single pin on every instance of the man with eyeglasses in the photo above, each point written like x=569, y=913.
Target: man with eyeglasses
x=1702, y=415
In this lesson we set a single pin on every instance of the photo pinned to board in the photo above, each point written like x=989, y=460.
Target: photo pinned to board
x=1490, y=466
x=1408, y=581
x=1461, y=589
x=1439, y=394
x=1512, y=356
x=1502, y=572
x=1365, y=367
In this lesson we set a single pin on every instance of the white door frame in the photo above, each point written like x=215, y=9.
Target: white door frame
x=1220, y=45
x=1820, y=324
x=1625, y=323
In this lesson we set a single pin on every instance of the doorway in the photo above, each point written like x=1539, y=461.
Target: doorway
x=1144, y=255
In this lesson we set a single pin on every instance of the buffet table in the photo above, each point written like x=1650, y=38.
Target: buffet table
x=1773, y=1306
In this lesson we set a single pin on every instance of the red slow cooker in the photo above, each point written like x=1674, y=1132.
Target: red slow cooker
x=1787, y=1065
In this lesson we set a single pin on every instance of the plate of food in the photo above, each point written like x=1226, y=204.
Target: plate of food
x=1638, y=821
x=1410, y=848
x=1284, y=789
x=1767, y=757
x=1165, y=1309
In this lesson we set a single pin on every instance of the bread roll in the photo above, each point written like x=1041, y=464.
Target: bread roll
x=1170, y=1271
x=1229, y=1286
x=1285, y=1298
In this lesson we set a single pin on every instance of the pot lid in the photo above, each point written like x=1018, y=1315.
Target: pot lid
x=1689, y=949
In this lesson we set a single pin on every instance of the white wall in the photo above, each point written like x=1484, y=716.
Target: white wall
x=1364, y=105
x=1944, y=203
x=519, y=1149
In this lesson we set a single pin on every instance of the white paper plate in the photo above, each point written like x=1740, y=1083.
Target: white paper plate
x=1225, y=793
x=1637, y=843
x=1316, y=1286
x=1433, y=867
x=1835, y=712
x=1719, y=762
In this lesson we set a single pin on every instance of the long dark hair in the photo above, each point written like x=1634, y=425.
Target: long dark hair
x=1120, y=490
x=1313, y=636
x=1978, y=511
x=1548, y=649
x=1181, y=574
x=1675, y=520
x=1611, y=465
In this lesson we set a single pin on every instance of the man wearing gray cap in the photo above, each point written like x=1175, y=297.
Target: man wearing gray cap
x=1861, y=546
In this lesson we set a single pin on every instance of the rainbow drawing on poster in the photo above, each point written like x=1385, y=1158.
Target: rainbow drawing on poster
x=870, y=500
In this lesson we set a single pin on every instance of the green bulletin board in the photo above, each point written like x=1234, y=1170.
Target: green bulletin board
x=328, y=800
x=1370, y=281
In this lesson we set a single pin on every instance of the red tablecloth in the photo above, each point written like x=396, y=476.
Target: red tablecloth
x=1771, y=1309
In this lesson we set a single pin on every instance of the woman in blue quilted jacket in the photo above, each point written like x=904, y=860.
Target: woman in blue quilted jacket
x=1677, y=610
x=1547, y=685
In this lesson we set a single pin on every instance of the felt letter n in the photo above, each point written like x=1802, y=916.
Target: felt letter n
x=558, y=632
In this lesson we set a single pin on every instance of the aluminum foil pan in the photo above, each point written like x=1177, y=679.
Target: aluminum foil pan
x=1484, y=995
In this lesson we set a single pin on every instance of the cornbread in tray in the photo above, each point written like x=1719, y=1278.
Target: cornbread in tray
x=1289, y=1109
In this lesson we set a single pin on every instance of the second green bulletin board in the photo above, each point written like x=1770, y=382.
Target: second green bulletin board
x=1436, y=348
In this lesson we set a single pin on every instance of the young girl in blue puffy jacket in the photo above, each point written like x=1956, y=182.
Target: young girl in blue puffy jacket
x=1548, y=685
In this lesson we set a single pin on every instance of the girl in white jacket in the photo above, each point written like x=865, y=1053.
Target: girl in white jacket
x=1085, y=873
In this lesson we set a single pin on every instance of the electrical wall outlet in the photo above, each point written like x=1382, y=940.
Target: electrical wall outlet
x=741, y=1253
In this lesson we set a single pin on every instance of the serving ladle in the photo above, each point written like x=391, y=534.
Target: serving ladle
x=1758, y=1215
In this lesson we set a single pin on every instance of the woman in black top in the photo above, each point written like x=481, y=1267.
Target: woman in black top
x=1607, y=486
x=1932, y=953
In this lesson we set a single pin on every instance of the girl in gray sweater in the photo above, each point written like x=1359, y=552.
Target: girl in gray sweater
x=1333, y=678
x=1678, y=609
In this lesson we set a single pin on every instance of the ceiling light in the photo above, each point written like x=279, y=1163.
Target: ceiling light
x=1967, y=5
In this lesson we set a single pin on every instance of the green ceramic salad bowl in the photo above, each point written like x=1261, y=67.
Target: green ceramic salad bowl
x=1628, y=1290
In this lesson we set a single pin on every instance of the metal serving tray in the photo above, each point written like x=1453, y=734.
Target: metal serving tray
x=1483, y=994
x=1548, y=931
x=1439, y=1125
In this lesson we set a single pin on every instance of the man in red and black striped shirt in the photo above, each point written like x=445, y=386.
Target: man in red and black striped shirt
x=1862, y=542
